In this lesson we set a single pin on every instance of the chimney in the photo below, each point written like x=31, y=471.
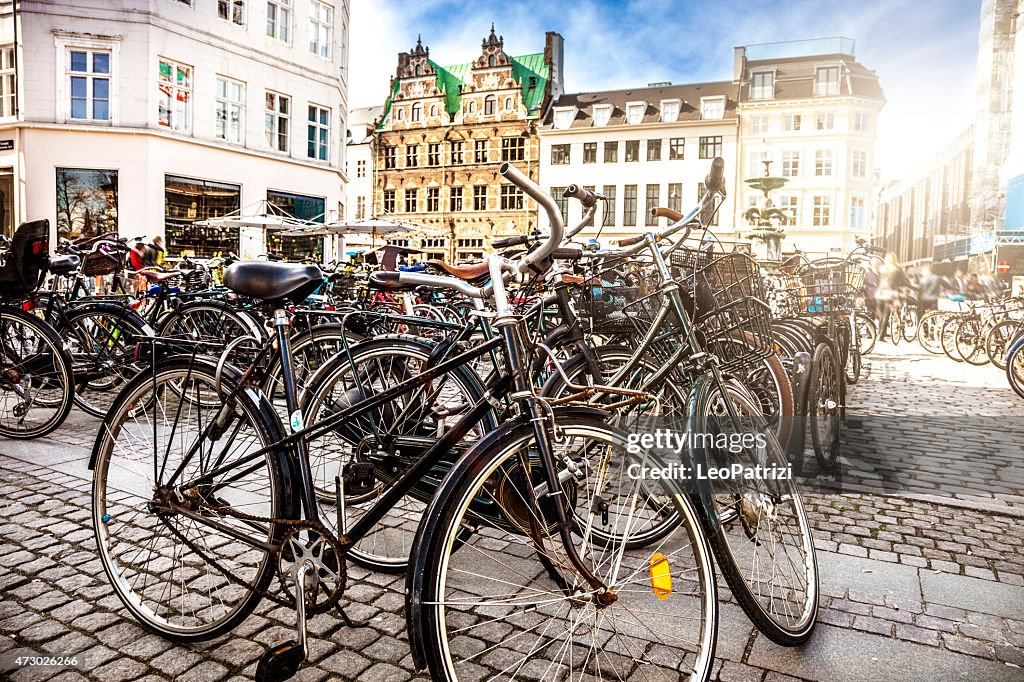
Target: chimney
x=554, y=56
x=739, y=63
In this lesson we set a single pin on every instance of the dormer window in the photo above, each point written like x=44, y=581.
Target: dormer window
x=564, y=116
x=669, y=110
x=712, y=108
x=826, y=81
x=762, y=85
x=602, y=114
x=635, y=112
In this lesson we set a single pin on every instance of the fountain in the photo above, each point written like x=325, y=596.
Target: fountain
x=767, y=234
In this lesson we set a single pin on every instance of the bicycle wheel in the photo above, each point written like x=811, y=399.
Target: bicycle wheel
x=969, y=341
x=1015, y=369
x=895, y=327
x=929, y=331
x=762, y=541
x=385, y=440
x=867, y=332
x=214, y=322
x=998, y=339
x=909, y=324
x=852, y=344
x=948, y=337
x=825, y=406
x=153, y=555
x=37, y=386
x=494, y=594
x=101, y=339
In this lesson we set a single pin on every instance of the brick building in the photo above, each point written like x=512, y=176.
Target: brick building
x=445, y=132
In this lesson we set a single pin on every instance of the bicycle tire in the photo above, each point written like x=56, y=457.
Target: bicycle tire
x=1015, y=369
x=948, y=336
x=825, y=405
x=867, y=332
x=929, y=331
x=998, y=340
x=969, y=342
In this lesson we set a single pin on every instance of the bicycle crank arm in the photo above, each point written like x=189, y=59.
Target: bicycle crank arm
x=282, y=661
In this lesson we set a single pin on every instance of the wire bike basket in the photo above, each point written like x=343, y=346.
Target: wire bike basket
x=619, y=298
x=829, y=286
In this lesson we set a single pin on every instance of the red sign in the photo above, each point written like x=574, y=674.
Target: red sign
x=1004, y=266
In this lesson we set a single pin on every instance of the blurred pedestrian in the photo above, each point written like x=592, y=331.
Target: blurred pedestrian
x=929, y=288
x=891, y=278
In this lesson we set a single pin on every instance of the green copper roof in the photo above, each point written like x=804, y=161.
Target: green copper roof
x=451, y=78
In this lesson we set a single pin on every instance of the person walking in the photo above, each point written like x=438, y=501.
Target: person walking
x=891, y=278
x=929, y=288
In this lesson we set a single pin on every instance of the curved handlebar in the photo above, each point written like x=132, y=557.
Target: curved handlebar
x=674, y=216
x=715, y=180
x=584, y=196
x=507, y=242
x=529, y=187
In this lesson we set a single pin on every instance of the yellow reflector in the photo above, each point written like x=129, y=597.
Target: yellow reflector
x=661, y=576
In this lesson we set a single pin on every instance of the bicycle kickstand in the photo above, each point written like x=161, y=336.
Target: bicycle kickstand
x=282, y=661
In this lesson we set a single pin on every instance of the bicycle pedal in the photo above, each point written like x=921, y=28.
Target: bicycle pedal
x=281, y=662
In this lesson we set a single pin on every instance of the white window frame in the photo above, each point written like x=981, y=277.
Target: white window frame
x=360, y=207
x=789, y=120
x=670, y=109
x=759, y=92
x=319, y=142
x=361, y=168
x=9, y=100
x=321, y=28
x=631, y=108
x=64, y=42
x=602, y=114
x=231, y=4
x=188, y=112
x=860, y=122
x=824, y=159
x=757, y=159
x=823, y=207
x=861, y=211
x=859, y=157
x=820, y=91
x=277, y=119
x=563, y=117
x=707, y=102
x=790, y=156
x=760, y=124
x=227, y=104
x=824, y=120
x=284, y=11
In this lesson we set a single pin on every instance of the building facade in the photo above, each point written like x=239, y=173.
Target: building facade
x=144, y=116
x=810, y=109
x=445, y=132
x=359, y=159
x=641, y=148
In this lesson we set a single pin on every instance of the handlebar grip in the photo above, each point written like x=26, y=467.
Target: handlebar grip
x=715, y=180
x=506, y=242
x=631, y=241
x=567, y=253
x=584, y=196
x=674, y=216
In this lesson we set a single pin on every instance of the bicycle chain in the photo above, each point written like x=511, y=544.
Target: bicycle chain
x=294, y=525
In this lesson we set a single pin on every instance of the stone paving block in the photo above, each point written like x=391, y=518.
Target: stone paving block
x=877, y=578
x=973, y=594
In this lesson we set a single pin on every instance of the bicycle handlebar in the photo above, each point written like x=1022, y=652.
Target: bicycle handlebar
x=554, y=240
x=584, y=196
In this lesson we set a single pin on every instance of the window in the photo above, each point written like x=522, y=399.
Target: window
x=790, y=164
x=788, y=206
x=675, y=196
x=589, y=152
x=759, y=124
x=856, y=212
x=510, y=104
x=632, y=150
x=8, y=91
x=512, y=148
x=412, y=196
x=511, y=198
x=562, y=201
x=471, y=107
x=791, y=122
x=757, y=160
x=279, y=19
x=230, y=110
x=653, y=197
x=321, y=27
x=480, y=197
x=860, y=164
x=187, y=200
x=480, y=151
x=629, y=206
x=712, y=108
x=434, y=154
x=400, y=114
x=762, y=85
x=559, y=154
x=89, y=80
x=611, y=152
x=676, y=148
x=433, y=199
x=433, y=110
x=360, y=207
x=318, y=136
x=670, y=111
x=417, y=112
x=710, y=147
x=361, y=168
x=278, y=112
x=390, y=157
x=602, y=114
x=389, y=201
x=822, y=210
x=635, y=113
x=175, y=96
x=826, y=81
x=860, y=122
x=824, y=121
x=412, y=155
x=701, y=190
x=455, y=199
x=232, y=10
x=457, y=153
x=564, y=118
x=490, y=105
x=86, y=202
x=608, y=215
x=823, y=162
x=654, y=150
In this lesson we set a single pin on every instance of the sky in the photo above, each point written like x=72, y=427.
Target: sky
x=924, y=51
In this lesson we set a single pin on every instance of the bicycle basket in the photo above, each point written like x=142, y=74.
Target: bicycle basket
x=828, y=287
x=617, y=299
x=98, y=263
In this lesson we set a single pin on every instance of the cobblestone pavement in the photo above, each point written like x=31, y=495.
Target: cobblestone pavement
x=915, y=586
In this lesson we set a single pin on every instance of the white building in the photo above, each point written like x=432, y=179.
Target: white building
x=641, y=148
x=359, y=155
x=811, y=109
x=143, y=116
